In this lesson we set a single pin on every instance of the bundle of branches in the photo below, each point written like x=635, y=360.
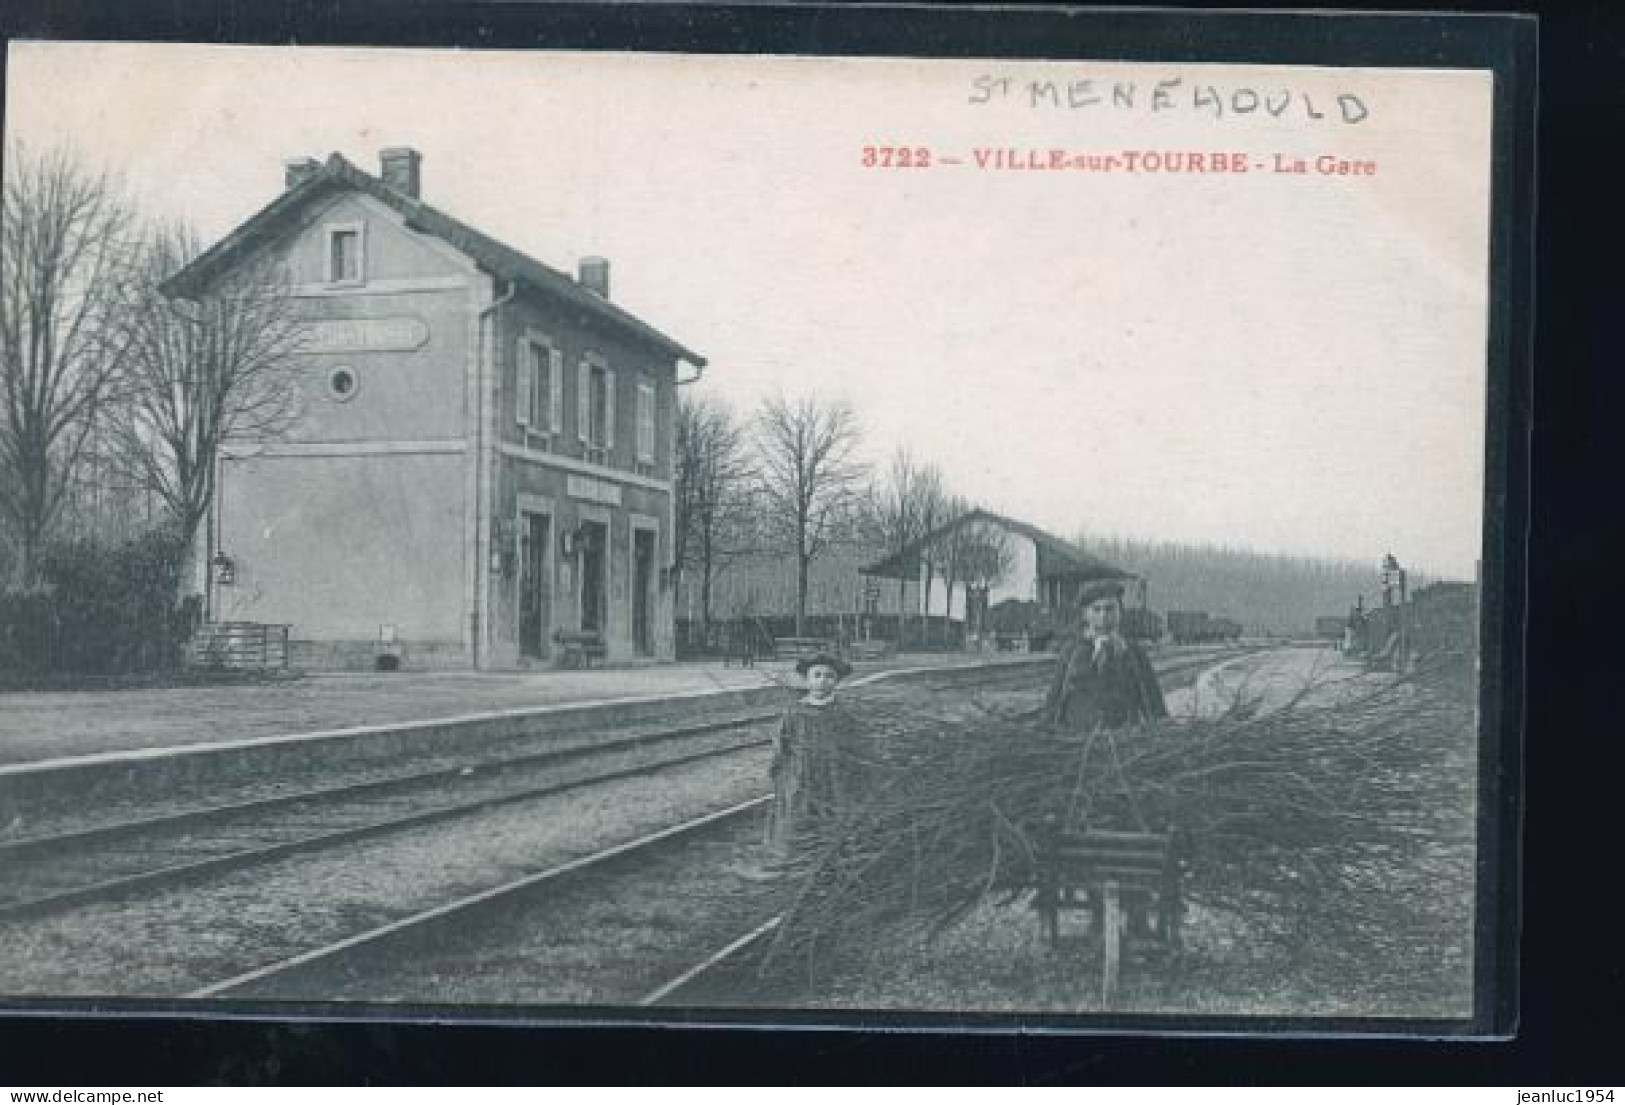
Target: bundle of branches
x=947, y=809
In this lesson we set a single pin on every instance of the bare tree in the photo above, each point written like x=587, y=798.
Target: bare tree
x=198, y=373
x=904, y=509
x=63, y=238
x=985, y=560
x=889, y=512
x=713, y=510
x=809, y=479
x=988, y=555
x=931, y=504
x=954, y=548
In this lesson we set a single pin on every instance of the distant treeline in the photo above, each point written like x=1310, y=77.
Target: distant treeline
x=1265, y=592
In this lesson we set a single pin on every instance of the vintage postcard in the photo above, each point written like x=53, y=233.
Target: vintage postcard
x=722, y=536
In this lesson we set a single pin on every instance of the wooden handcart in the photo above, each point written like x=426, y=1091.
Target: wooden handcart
x=1119, y=877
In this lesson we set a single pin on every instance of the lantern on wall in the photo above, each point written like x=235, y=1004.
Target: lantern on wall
x=223, y=569
x=503, y=555
x=578, y=540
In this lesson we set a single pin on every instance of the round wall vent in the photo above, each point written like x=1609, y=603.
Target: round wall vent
x=342, y=384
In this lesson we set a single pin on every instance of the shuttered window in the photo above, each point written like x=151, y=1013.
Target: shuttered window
x=555, y=380
x=524, y=384
x=646, y=422
x=539, y=387
x=584, y=402
x=597, y=407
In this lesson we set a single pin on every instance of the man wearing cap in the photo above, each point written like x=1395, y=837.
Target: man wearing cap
x=1103, y=681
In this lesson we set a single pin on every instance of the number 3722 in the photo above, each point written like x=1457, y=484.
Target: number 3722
x=896, y=157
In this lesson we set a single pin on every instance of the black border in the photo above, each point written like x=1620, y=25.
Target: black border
x=1029, y=32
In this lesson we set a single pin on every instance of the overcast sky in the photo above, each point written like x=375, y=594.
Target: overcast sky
x=1285, y=362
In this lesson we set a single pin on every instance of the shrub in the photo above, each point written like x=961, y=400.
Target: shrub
x=105, y=610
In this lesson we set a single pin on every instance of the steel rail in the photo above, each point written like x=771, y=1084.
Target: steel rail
x=486, y=766
x=176, y=874
x=493, y=895
x=480, y=899
x=712, y=961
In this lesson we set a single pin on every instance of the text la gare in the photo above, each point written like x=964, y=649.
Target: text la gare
x=1324, y=165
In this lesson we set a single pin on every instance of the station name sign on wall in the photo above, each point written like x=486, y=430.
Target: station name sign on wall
x=365, y=335
x=594, y=491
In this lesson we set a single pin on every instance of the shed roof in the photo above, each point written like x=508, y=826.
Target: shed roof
x=1057, y=559
x=502, y=261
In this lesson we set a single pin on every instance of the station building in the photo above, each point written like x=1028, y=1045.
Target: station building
x=484, y=457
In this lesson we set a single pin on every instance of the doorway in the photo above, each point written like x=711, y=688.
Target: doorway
x=535, y=586
x=643, y=579
x=594, y=549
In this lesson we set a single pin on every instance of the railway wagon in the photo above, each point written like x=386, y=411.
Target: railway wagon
x=1141, y=624
x=1330, y=627
x=1187, y=627
x=1197, y=627
x=1039, y=628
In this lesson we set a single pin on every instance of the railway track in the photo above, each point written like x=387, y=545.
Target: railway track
x=706, y=980
x=391, y=971
x=102, y=862
x=51, y=874
x=321, y=973
x=106, y=862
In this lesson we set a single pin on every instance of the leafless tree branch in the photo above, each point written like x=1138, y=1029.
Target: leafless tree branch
x=809, y=479
x=198, y=373
x=64, y=237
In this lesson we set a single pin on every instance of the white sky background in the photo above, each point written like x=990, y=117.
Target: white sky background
x=1287, y=363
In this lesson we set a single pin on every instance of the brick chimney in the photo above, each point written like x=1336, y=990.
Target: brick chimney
x=402, y=169
x=594, y=276
x=297, y=170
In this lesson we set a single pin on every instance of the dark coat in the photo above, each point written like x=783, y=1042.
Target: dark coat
x=1115, y=690
x=814, y=771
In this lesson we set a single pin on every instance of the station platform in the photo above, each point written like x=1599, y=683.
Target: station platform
x=37, y=728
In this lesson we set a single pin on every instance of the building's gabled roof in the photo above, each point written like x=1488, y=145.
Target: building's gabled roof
x=500, y=260
x=1057, y=559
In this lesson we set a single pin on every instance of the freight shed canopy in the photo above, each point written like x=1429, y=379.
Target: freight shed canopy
x=1056, y=559
x=999, y=559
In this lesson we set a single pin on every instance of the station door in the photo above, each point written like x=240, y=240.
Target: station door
x=535, y=585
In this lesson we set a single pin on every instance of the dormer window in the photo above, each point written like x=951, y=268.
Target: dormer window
x=345, y=258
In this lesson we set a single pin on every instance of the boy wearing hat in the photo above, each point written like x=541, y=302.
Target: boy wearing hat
x=815, y=740
x=1103, y=680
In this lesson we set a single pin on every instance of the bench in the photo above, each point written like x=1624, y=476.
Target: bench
x=1141, y=869
x=580, y=648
